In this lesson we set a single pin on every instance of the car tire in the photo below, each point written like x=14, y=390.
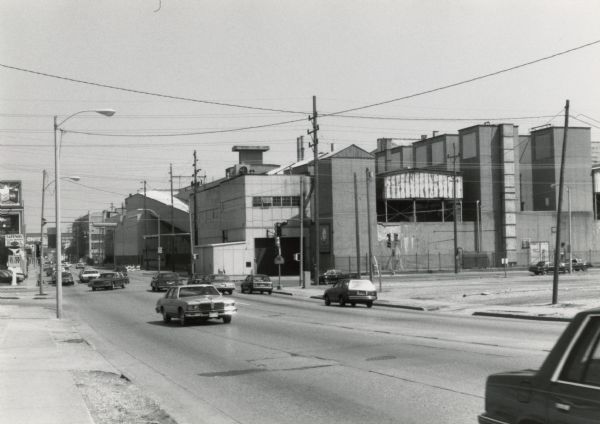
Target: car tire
x=342, y=301
x=166, y=317
x=230, y=292
x=353, y=304
x=327, y=300
x=226, y=319
x=182, y=317
x=270, y=292
x=112, y=286
x=369, y=304
x=93, y=288
x=153, y=288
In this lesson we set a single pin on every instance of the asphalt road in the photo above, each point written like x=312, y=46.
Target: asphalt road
x=285, y=360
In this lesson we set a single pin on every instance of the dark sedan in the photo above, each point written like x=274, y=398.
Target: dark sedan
x=108, y=281
x=67, y=279
x=5, y=276
x=352, y=292
x=332, y=276
x=164, y=280
x=257, y=282
x=539, y=268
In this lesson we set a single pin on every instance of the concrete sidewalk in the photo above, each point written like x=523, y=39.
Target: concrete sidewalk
x=39, y=355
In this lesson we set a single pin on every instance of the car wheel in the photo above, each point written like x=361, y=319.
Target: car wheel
x=353, y=303
x=369, y=304
x=327, y=300
x=543, y=272
x=230, y=292
x=112, y=286
x=181, y=317
x=342, y=301
x=226, y=319
x=166, y=317
x=93, y=288
x=270, y=292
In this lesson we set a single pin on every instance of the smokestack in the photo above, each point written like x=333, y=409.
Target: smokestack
x=300, y=148
x=332, y=147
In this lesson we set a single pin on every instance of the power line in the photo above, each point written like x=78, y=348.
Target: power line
x=148, y=93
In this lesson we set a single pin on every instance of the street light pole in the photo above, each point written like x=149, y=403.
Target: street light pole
x=570, y=248
x=105, y=112
x=41, y=278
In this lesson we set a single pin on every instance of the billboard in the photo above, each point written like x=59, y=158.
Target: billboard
x=10, y=223
x=421, y=185
x=10, y=194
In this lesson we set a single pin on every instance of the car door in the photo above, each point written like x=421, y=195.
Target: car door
x=170, y=300
x=574, y=396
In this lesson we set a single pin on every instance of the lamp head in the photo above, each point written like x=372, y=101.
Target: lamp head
x=105, y=112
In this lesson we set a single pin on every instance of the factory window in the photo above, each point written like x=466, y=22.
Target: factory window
x=275, y=201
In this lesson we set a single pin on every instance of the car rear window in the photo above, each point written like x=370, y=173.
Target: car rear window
x=261, y=278
x=361, y=285
x=170, y=276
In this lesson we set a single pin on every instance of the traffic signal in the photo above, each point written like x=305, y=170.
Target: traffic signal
x=389, y=240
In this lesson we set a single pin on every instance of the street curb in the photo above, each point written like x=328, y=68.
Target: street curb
x=282, y=292
x=526, y=317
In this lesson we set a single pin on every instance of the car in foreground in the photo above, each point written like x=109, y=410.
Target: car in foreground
x=332, y=276
x=88, y=274
x=108, y=281
x=66, y=279
x=539, y=268
x=222, y=282
x=257, y=282
x=165, y=280
x=351, y=291
x=566, y=389
x=201, y=301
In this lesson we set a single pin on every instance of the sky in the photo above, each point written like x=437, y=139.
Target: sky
x=187, y=75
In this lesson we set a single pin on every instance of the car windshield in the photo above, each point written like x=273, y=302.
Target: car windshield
x=198, y=291
x=261, y=278
x=361, y=285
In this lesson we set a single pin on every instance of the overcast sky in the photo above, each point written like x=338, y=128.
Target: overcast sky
x=269, y=55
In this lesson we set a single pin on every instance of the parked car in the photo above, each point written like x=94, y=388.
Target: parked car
x=107, y=281
x=332, y=276
x=566, y=389
x=540, y=268
x=351, y=291
x=164, y=280
x=222, y=282
x=49, y=270
x=5, y=276
x=578, y=265
x=202, y=301
x=257, y=282
x=562, y=267
x=80, y=265
x=66, y=278
x=88, y=274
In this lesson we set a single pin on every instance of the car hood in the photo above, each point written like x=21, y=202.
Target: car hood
x=192, y=300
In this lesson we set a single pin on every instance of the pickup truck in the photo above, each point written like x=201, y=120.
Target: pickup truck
x=566, y=389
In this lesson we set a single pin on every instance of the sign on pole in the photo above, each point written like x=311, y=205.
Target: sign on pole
x=279, y=260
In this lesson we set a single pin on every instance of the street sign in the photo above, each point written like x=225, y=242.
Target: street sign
x=16, y=239
x=279, y=260
x=159, y=250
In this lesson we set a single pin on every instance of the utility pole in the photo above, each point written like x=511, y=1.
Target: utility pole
x=145, y=230
x=370, y=264
x=315, y=146
x=356, y=227
x=302, y=282
x=172, y=221
x=560, y=192
x=454, y=217
x=194, y=227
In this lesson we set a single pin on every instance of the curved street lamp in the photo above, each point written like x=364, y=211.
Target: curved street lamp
x=105, y=112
